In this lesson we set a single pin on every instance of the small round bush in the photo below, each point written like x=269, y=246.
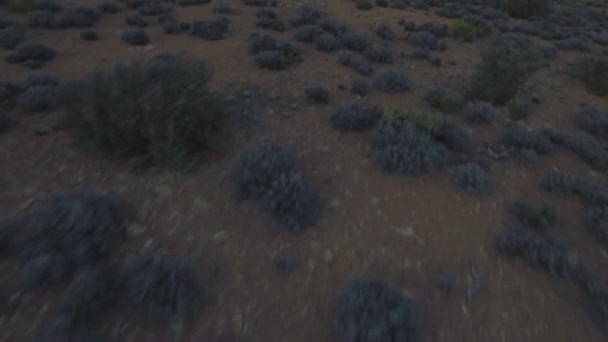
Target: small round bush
x=78, y=17
x=472, y=178
x=391, y=81
x=29, y=51
x=594, y=74
x=162, y=286
x=533, y=216
x=332, y=27
x=364, y=5
x=305, y=15
x=136, y=37
x=372, y=311
x=354, y=117
x=84, y=228
x=593, y=120
x=327, y=43
x=360, y=86
x=308, y=33
x=440, y=99
x=35, y=99
x=400, y=147
x=210, y=30
x=11, y=37
x=318, y=95
x=108, y=7
x=270, y=24
x=136, y=20
x=382, y=54
x=266, y=12
x=423, y=40
x=480, y=112
x=385, y=32
x=272, y=60
x=269, y=175
x=356, y=41
x=89, y=35
x=91, y=292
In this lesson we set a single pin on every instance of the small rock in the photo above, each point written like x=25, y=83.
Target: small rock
x=406, y=231
x=328, y=255
x=221, y=236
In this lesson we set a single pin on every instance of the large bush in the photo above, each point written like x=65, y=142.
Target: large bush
x=506, y=64
x=159, y=113
x=525, y=8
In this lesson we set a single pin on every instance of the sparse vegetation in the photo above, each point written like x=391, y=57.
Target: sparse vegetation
x=480, y=112
x=464, y=31
x=318, y=95
x=538, y=217
x=136, y=37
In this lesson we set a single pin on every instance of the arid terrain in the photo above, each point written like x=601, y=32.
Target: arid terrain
x=386, y=153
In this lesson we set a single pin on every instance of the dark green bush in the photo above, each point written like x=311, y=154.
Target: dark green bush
x=525, y=8
x=506, y=64
x=157, y=113
x=594, y=74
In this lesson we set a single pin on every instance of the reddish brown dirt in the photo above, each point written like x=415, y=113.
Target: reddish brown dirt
x=195, y=215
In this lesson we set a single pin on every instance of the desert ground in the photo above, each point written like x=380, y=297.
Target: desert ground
x=351, y=171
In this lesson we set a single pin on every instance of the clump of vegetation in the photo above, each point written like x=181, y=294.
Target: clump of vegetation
x=332, y=27
x=159, y=113
x=472, y=178
x=272, y=54
x=596, y=221
x=593, y=71
x=38, y=98
x=519, y=108
x=384, y=31
x=356, y=41
x=327, y=43
x=424, y=40
x=354, y=117
x=427, y=122
x=270, y=24
x=539, y=251
x=451, y=135
x=135, y=37
x=519, y=137
x=29, y=52
x=108, y=7
x=211, y=30
x=364, y=5
x=137, y=20
x=5, y=124
x=89, y=35
x=370, y=310
x=224, y=7
x=537, y=217
x=464, y=31
x=526, y=8
x=382, y=54
x=69, y=232
x=163, y=286
x=79, y=17
x=480, y=112
x=266, y=12
x=570, y=185
x=392, y=81
x=360, y=86
x=593, y=120
x=318, y=95
x=348, y=58
x=401, y=147
x=271, y=176
x=585, y=146
x=439, y=98
x=506, y=64
x=90, y=293
x=308, y=33
x=10, y=37
x=305, y=15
